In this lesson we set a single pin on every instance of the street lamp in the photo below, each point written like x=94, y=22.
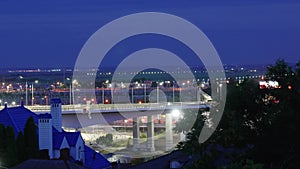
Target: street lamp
x=70, y=90
x=32, y=98
x=157, y=92
x=175, y=113
x=102, y=93
x=173, y=93
x=145, y=93
x=26, y=93
x=46, y=98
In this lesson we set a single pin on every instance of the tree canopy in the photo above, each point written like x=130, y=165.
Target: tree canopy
x=265, y=122
x=14, y=150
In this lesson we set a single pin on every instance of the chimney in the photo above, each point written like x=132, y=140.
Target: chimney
x=45, y=133
x=56, y=113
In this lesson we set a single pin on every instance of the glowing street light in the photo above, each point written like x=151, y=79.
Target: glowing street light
x=175, y=113
x=32, y=98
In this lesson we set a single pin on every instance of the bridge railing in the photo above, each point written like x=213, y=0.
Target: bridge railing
x=119, y=107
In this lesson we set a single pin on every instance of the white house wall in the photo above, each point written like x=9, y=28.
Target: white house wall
x=45, y=135
x=77, y=152
x=56, y=154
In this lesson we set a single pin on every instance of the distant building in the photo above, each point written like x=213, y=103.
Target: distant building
x=51, y=137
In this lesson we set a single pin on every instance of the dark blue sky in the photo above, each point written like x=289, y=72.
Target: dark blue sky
x=37, y=34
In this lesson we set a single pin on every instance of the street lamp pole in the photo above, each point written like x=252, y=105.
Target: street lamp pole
x=180, y=92
x=26, y=93
x=157, y=93
x=32, y=97
x=145, y=93
x=112, y=89
x=173, y=93
x=102, y=93
x=70, y=93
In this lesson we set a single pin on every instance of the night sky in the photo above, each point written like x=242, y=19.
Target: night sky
x=40, y=34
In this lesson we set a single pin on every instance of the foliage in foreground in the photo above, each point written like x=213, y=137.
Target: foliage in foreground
x=14, y=150
x=263, y=122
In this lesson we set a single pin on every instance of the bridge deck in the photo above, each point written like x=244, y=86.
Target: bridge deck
x=94, y=108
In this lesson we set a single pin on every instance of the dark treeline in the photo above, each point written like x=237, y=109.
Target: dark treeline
x=259, y=129
x=14, y=150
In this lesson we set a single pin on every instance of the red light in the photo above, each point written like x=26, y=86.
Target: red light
x=140, y=102
x=289, y=87
x=106, y=101
x=261, y=87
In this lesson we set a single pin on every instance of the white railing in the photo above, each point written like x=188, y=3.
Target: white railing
x=118, y=107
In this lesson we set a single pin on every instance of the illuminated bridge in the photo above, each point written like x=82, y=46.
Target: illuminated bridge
x=78, y=116
x=83, y=115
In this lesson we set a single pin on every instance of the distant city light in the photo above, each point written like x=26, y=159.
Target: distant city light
x=268, y=84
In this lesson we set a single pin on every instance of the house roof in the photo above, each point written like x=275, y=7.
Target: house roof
x=94, y=160
x=55, y=100
x=58, y=138
x=16, y=117
x=45, y=116
x=48, y=164
x=72, y=137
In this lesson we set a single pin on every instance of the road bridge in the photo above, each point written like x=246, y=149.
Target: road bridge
x=79, y=116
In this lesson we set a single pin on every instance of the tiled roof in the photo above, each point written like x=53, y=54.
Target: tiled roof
x=94, y=160
x=16, y=117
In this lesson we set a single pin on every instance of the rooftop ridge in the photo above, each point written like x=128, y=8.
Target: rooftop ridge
x=13, y=121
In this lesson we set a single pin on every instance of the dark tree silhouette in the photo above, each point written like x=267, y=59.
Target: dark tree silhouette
x=266, y=119
x=31, y=140
x=20, y=143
